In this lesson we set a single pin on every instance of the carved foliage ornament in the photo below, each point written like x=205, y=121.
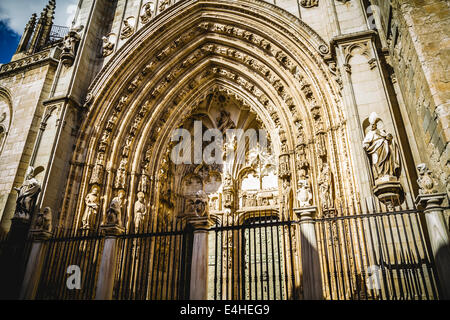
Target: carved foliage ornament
x=309, y=3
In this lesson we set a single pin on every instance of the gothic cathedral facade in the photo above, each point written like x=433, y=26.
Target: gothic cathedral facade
x=353, y=98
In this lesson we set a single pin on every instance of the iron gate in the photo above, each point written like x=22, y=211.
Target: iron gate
x=256, y=258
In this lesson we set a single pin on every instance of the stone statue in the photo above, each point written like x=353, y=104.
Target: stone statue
x=97, y=172
x=325, y=186
x=70, y=46
x=224, y=121
x=114, y=212
x=27, y=195
x=44, y=220
x=148, y=12
x=107, y=47
x=127, y=30
x=382, y=150
x=139, y=211
x=304, y=195
x=143, y=182
x=121, y=176
x=92, y=202
x=426, y=180
x=286, y=200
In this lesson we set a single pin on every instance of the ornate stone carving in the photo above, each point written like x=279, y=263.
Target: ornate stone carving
x=107, y=47
x=309, y=3
x=286, y=203
x=44, y=220
x=163, y=5
x=383, y=152
x=121, y=175
x=284, y=169
x=224, y=121
x=127, y=30
x=148, y=11
x=325, y=183
x=304, y=194
x=144, y=182
x=97, y=172
x=200, y=204
x=90, y=212
x=426, y=180
x=70, y=46
x=114, y=212
x=140, y=211
x=27, y=195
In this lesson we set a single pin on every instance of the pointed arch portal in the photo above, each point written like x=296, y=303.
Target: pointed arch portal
x=241, y=64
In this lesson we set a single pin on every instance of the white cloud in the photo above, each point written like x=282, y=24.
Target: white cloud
x=16, y=13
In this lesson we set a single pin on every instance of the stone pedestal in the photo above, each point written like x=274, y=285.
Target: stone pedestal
x=389, y=191
x=13, y=259
x=199, y=265
x=439, y=237
x=105, y=280
x=34, y=266
x=312, y=278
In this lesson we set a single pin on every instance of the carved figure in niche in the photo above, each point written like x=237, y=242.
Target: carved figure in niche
x=163, y=5
x=44, y=220
x=92, y=202
x=107, y=47
x=286, y=202
x=149, y=8
x=304, y=195
x=301, y=163
x=70, y=46
x=114, y=212
x=224, y=121
x=426, y=180
x=97, y=172
x=121, y=174
x=325, y=186
x=213, y=202
x=127, y=30
x=309, y=3
x=144, y=182
x=382, y=150
x=139, y=211
x=27, y=195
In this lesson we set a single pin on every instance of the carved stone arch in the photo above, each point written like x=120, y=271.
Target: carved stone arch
x=131, y=79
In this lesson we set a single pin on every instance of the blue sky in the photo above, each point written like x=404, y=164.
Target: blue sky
x=14, y=15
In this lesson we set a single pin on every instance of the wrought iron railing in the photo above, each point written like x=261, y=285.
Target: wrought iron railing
x=71, y=252
x=376, y=255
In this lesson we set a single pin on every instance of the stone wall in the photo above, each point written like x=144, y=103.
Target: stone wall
x=419, y=47
x=29, y=86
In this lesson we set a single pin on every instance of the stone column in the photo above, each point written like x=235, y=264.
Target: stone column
x=199, y=265
x=34, y=266
x=439, y=237
x=105, y=281
x=312, y=279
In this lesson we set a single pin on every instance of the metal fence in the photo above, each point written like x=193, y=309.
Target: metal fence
x=256, y=258
x=381, y=254
x=366, y=253
x=153, y=265
x=69, y=253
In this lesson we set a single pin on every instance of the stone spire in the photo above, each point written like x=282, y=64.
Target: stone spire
x=23, y=44
x=43, y=28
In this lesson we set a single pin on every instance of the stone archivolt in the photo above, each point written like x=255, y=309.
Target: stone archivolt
x=160, y=93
